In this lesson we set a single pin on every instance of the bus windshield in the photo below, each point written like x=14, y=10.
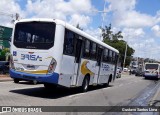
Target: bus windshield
x=34, y=35
x=151, y=66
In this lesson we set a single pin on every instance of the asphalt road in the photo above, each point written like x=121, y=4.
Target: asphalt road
x=125, y=91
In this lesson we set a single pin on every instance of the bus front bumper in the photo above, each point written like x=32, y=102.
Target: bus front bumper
x=150, y=76
x=44, y=78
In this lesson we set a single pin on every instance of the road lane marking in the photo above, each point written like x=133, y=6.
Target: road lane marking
x=3, y=112
x=79, y=94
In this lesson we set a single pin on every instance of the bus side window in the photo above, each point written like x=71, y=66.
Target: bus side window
x=93, y=50
x=77, y=48
x=116, y=58
x=105, y=55
x=113, y=57
x=86, y=53
x=99, y=55
x=69, y=43
x=110, y=56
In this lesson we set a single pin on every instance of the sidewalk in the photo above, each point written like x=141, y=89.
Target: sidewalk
x=125, y=74
x=5, y=78
x=155, y=101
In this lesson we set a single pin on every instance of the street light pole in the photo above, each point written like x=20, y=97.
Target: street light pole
x=104, y=11
x=104, y=8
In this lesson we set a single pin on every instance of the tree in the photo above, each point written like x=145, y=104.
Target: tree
x=3, y=53
x=113, y=40
x=107, y=34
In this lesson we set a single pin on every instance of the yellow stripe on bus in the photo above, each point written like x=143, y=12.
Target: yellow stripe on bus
x=36, y=71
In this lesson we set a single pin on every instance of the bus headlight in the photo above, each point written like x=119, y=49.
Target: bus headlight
x=12, y=63
x=52, y=66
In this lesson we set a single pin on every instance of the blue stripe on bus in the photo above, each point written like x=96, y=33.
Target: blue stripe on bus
x=46, y=78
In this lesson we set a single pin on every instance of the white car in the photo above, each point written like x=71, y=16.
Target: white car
x=118, y=73
x=125, y=69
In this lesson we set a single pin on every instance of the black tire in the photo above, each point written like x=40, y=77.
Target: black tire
x=107, y=84
x=16, y=80
x=50, y=86
x=34, y=82
x=85, y=84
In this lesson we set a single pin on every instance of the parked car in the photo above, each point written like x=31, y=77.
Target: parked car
x=138, y=72
x=133, y=70
x=4, y=67
x=125, y=69
x=118, y=73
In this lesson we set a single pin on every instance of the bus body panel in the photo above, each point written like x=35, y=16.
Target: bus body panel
x=87, y=67
x=43, y=78
x=67, y=70
x=23, y=59
x=106, y=71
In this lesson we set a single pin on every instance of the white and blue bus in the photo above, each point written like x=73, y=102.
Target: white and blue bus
x=152, y=70
x=53, y=52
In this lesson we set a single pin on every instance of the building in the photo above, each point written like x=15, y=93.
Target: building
x=5, y=36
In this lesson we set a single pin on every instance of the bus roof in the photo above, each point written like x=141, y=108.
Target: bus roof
x=72, y=28
x=152, y=63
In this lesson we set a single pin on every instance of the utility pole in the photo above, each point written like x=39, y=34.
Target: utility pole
x=17, y=16
x=10, y=15
x=125, y=56
x=104, y=8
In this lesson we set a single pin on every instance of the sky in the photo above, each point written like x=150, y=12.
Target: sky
x=139, y=20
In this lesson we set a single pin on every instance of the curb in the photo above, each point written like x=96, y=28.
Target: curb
x=6, y=79
x=153, y=100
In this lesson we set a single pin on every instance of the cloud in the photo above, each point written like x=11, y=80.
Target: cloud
x=8, y=9
x=156, y=30
x=121, y=5
x=132, y=33
x=135, y=26
x=125, y=15
x=94, y=32
x=144, y=48
x=132, y=19
x=73, y=11
x=82, y=20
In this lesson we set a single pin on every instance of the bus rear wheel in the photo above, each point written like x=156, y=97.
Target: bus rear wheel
x=49, y=86
x=16, y=80
x=106, y=84
x=109, y=80
x=85, y=84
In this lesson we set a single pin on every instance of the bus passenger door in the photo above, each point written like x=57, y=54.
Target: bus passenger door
x=99, y=58
x=78, y=53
